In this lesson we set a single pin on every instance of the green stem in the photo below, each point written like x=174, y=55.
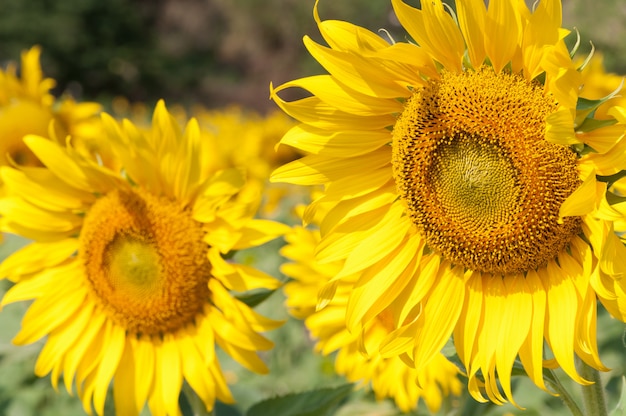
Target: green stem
x=567, y=399
x=593, y=394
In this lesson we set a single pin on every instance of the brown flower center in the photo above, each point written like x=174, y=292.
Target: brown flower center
x=145, y=261
x=479, y=180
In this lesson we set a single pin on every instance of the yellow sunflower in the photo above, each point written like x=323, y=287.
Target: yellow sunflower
x=246, y=139
x=466, y=187
x=357, y=356
x=27, y=107
x=239, y=138
x=127, y=269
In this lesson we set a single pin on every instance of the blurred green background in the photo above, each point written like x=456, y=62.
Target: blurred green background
x=217, y=53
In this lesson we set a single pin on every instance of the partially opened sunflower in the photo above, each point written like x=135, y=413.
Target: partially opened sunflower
x=466, y=187
x=358, y=358
x=127, y=268
x=28, y=107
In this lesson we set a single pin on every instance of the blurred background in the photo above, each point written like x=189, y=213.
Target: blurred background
x=215, y=52
x=219, y=53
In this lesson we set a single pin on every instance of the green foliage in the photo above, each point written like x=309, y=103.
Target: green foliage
x=311, y=403
x=620, y=408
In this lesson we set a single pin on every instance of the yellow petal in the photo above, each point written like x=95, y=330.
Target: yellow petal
x=114, y=339
x=340, y=243
x=381, y=284
x=560, y=127
x=364, y=75
x=50, y=311
x=531, y=351
x=195, y=373
x=503, y=29
x=602, y=140
x=37, y=256
x=124, y=388
x=386, y=237
x=335, y=94
x=251, y=278
x=169, y=360
x=346, y=36
x=466, y=330
x=144, y=358
x=610, y=162
x=257, y=232
x=56, y=159
x=584, y=199
x=434, y=30
x=472, y=14
x=442, y=308
x=24, y=214
x=563, y=304
x=488, y=342
x=84, y=346
x=342, y=143
x=41, y=194
x=515, y=325
x=314, y=169
x=613, y=260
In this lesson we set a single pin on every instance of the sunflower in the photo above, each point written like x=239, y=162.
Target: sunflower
x=466, y=188
x=239, y=138
x=246, y=138
x=357, y=356
x=127, y=268
x=27, y=107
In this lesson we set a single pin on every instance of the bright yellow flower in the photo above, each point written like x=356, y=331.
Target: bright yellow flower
x=465, y=189
x=239, y=138
x=357, y=355
x=127, y=270
x=27, y=107
x=247, y=140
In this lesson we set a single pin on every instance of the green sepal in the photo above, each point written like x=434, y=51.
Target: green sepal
x=585, y=108
x=613, y=199
x=574, y=49
x=255, y=298
x=610, y=180
x=587, y=59
x=590, y=124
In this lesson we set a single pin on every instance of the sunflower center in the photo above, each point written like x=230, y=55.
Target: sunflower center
x=480, y=182
x=145, y=261
x=475, y=183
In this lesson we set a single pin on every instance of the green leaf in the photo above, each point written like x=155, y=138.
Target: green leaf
x=253, y=299
x=310, y=403
x=620, y=408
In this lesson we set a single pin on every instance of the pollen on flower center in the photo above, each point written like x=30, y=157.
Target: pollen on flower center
x=475, y=183
x=479, y=180
x=145, y=261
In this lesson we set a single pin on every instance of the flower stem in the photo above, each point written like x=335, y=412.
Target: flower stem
x=567, y=399
x=593, y=394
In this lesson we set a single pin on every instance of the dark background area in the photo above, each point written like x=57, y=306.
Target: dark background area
x=214, y=52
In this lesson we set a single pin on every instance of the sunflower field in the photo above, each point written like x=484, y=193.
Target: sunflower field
x=312, y=208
